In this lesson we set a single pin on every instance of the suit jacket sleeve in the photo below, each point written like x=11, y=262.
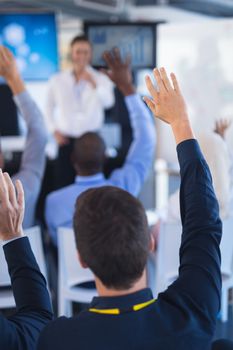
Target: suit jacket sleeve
x=199, y=283
x=33, y=307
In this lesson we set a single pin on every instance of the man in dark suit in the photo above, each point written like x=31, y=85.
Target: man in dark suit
x=113, y=241
x=33, y=308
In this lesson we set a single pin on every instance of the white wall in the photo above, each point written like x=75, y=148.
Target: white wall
x=201, y=54
x=163, y=13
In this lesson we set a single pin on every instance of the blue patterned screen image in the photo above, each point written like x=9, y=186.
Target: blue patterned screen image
x=32, y=39
x=135, y=40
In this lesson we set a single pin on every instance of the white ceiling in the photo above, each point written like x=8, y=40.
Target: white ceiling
x=207, y=7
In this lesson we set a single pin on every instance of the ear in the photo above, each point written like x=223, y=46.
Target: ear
x=82, y=263
x=72, y=160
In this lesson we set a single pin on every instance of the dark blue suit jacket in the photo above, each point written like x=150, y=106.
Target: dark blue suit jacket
x=33, y=308
x=184, y=316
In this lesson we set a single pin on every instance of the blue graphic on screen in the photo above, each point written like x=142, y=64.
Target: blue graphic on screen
x=32, y=39
x=137, y=41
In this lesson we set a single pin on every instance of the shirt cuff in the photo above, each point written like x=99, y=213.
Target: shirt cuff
x=188, y=150
x=135, y=102
x=130, y=99
x=11, y=240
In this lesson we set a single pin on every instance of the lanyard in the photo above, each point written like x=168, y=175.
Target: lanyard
x=136, y=307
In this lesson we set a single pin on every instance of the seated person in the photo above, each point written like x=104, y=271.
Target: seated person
x=218, y=159
x=89, y=153
x=221, y=126
x=33, y=309
x=113, y=240
x=33, y=159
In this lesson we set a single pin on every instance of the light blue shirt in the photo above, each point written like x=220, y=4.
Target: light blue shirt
x=60, y=204
x=32, y=165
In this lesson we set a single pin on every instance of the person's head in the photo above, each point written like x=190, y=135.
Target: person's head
x=81, y=51
x=112, y=236
x=88, y=154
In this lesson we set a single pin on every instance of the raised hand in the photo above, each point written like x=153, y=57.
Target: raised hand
x=60, y=138
x=8, y=68
x=11, y=208
x=85, y=75
x=167, y=104
x=119, y=71
x=221, y=127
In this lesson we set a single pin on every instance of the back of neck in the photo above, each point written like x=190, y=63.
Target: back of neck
x=107, y=292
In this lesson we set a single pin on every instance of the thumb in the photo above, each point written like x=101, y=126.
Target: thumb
x=107, y=72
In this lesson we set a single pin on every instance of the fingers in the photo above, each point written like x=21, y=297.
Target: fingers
x=107, y=72
x=163, y=83
x=151, y=88
x=149, y=103
x=116, y=55
x=108, y=59
x=11, y=189
x=5, y=55
x=175, y=82
x=166, y=81
x=224, y=123
x=7, y=191
x=2, y=56
x=158, y=78
x=20, y=193
x=113, y=58
x=128, y=60
x=3, y=189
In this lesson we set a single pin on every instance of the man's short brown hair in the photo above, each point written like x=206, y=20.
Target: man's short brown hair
x=112, y=235
x=78, y=39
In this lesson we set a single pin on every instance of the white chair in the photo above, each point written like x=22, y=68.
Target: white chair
x=167, y=259
x=71, y=274
x=6, y=295
x=167, y=256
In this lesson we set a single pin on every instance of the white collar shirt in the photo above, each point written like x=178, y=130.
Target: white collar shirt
x=75, y=107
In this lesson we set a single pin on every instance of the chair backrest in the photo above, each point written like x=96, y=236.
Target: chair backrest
x=34, y=235
x=70, y=271
x=167, y=259
x=226, y=247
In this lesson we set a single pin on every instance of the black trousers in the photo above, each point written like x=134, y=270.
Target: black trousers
x=222, y=344
x=64, y=171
